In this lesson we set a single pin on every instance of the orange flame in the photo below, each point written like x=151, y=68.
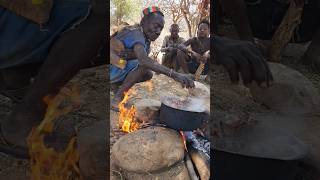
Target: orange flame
x=46, y=163
x=127, y=121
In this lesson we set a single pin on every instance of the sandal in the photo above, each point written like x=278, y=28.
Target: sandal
x=12, y=149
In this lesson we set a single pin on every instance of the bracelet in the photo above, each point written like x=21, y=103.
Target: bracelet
x=170, y=73
x=121, y=61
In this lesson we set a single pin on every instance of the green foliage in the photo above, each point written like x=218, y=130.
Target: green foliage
x=125, y=10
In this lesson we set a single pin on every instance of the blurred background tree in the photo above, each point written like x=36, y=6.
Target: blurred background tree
x=125, y=10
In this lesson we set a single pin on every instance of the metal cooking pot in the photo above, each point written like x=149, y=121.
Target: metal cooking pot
x=229, y=166
x=181, y=120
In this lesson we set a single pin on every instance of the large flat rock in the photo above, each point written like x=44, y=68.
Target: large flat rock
x=148, y=150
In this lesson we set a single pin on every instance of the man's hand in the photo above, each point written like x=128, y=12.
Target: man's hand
x=170, y=48
x=147, y=62
x=242, y=57
x=183, y=79
x=298, y=3
x=198, y=57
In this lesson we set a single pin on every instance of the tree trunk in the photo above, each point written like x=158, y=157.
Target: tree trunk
x=188, y=23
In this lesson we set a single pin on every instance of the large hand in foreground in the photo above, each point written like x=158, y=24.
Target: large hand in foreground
x=241, y=57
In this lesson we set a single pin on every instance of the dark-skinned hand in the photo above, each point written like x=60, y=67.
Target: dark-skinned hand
x=183, y=79
x=199, y=58
x=241, y=57
x=298, y=3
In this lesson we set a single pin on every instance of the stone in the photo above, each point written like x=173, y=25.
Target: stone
x=147, y=110
x=290, y=92
x=92, y=146
x=177, y=172
x=148, y=150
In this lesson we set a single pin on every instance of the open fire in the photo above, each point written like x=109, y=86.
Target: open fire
x=47, y=163
x=127, y=122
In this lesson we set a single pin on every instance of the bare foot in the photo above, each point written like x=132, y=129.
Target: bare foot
x=115, y=103
x=18, y=125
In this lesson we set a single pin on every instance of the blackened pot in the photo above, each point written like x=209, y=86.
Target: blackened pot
x=229, y=166
x=181, y=120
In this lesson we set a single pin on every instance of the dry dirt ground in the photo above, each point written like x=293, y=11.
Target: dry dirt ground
x=93, y=88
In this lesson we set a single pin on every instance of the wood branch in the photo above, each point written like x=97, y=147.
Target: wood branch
x=185, y=12
x=190, y=168
x=200, y=164
x=203, y=8
x=285, y=31
x=188, y=24
x=199, y=71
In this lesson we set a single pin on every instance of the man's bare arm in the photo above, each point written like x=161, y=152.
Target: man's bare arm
x=184, y=46
x=165, y=49
x=147, y=62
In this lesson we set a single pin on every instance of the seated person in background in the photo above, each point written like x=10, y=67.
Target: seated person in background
x=169, y=47
x=190, y=60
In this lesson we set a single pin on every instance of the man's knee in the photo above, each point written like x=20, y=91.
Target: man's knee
x=182, y=56
x=180, y=53
x=148, y=75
